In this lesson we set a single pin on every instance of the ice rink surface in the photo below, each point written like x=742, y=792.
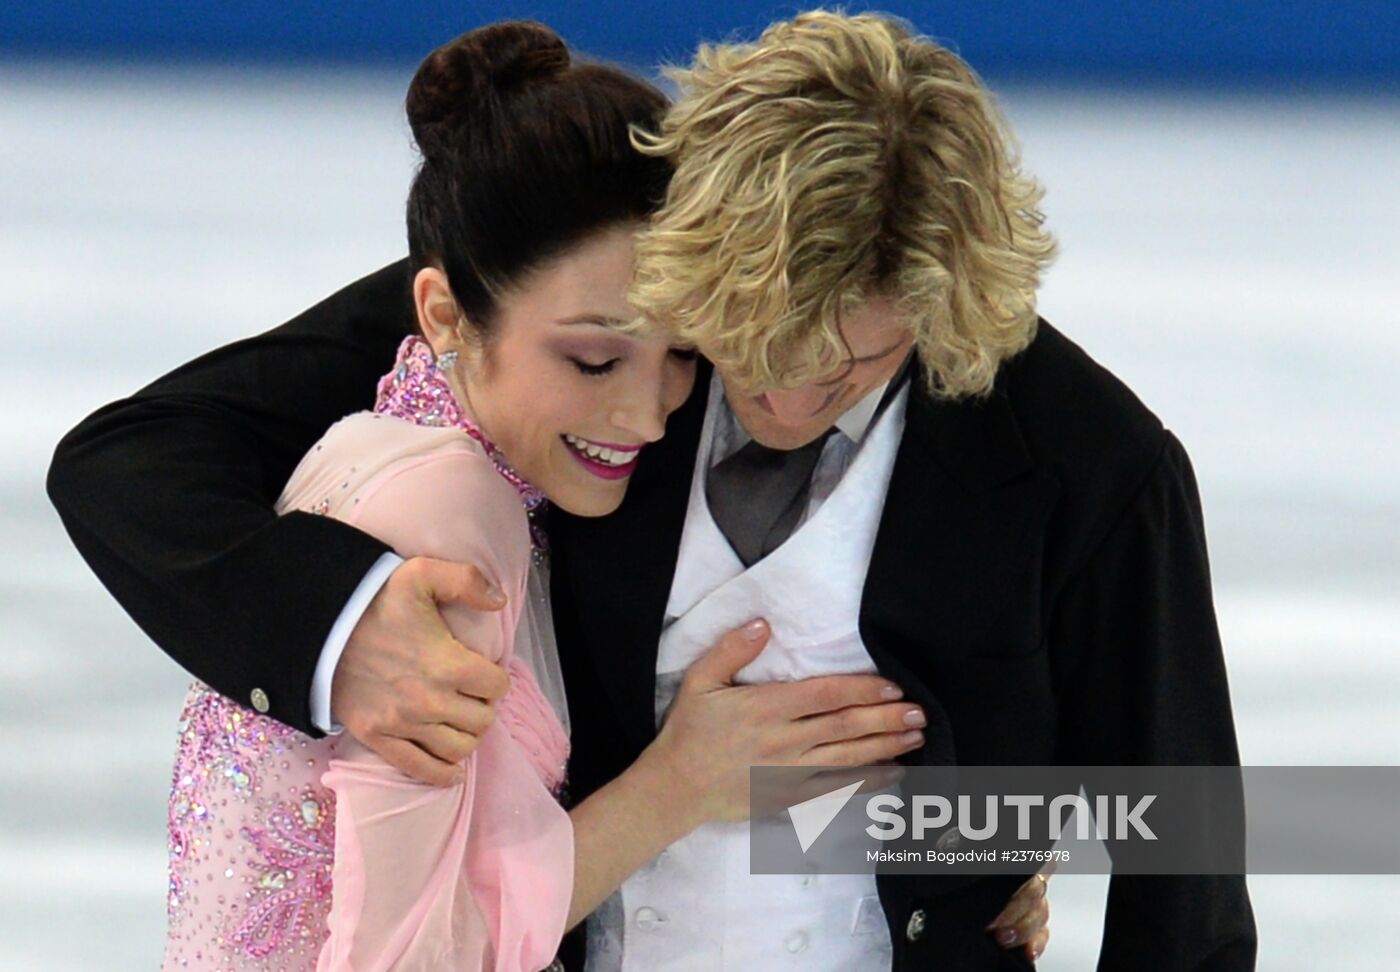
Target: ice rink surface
x=1232, y=258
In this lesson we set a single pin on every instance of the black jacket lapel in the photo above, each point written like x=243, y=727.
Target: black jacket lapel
x=962, y=519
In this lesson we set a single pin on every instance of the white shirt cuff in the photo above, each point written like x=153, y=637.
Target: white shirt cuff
x=340, y=635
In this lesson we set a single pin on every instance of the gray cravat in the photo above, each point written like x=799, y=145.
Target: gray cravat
x=758, y=494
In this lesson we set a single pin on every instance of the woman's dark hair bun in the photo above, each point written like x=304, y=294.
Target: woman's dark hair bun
x=454, y=80
x=525, y=152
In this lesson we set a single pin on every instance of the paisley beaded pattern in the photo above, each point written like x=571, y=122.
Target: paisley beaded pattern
x=260, y=899
x=418, y=392
x=251, y=830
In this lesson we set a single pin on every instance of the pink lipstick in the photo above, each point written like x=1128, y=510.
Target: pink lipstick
x=605, y=460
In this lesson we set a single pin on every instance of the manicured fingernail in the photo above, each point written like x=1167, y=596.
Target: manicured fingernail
x=912, y=738
x=915, y=717
x=1007, y=937
x=495, y=594
x=1039, y=951
x=755, y=629
x=892, y=692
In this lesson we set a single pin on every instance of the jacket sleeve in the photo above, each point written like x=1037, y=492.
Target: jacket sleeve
x=1148, y=687
x=168, y=495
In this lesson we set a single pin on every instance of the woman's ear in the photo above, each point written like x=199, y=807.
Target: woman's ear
x=438, y=315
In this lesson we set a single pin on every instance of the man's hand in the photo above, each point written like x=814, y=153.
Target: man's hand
x=408, y=690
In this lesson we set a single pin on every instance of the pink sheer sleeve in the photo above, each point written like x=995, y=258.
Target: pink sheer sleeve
x=477, y=875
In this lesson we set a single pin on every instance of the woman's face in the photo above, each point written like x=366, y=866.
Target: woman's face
x=568, y=399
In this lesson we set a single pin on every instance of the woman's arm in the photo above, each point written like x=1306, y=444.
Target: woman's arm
x=440, y=876
x=697, y=769
x=625, y=824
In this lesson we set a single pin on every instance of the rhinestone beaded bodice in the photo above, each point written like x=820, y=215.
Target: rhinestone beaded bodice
x=418, y=392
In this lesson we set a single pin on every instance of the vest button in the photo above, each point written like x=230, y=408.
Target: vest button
x=915, y=929
x=796, y=942
x=259, y=700
x=648, y=918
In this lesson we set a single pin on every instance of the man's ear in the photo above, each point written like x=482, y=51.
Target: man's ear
x=438, y=315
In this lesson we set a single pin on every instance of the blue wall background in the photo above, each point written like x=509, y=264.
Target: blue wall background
x=1290, y=43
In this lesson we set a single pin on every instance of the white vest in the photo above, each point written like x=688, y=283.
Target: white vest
x=697, y=906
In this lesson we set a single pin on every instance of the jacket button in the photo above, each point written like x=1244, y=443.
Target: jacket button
x=260, y=702
x=949, y=840
x=915, y=929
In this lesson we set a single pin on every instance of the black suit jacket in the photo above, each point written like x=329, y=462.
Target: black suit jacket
x=1039, y=584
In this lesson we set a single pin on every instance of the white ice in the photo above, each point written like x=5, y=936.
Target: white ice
x=1231, y=257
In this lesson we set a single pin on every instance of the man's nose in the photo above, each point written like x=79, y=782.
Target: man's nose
x=797, y=405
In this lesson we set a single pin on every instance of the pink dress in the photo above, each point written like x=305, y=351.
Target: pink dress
x=300, y=854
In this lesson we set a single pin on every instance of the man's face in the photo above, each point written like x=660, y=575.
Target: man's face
x=791, y=418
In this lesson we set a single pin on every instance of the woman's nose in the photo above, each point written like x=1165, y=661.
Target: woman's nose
x=643, y=412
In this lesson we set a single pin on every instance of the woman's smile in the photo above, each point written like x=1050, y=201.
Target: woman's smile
x=604, y=460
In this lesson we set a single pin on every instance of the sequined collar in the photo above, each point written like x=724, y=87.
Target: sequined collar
x=416, y=391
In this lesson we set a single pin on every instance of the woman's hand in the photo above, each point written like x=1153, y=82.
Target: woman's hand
x=716, y=730
x=1025, y=921
x=697, y=768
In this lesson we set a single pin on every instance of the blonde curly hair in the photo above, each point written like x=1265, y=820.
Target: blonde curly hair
x=837, y=159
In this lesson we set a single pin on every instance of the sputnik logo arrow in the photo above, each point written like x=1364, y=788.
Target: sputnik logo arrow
x=810, y=818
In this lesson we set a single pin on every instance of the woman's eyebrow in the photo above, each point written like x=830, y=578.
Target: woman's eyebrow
x=602, y=320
